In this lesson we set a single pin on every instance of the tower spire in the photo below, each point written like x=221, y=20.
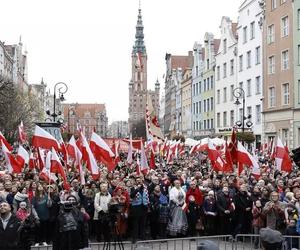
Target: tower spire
x=139, y=45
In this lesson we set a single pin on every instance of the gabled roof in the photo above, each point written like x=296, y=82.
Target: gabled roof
x=81, y=108
x=181, y=61
x=217, y=45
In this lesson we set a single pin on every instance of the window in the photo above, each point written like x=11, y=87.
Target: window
x=249, y=87
x=200, y=107
x=207, y=63
x=224, y=70
x=204, y=85
x=249, y=59
x=194, y=89
x=241, y=63
x=231, y=92
x=224, y=46
x=218, y=120
x=249, y=112
x=208, y=106
x=241, y=85
x=194, y=108
x=231, y=67
x=298, y=91
x=272, y=97
x=285, y=134
x=285, y=60
x=218, y=96
x=298, y=19
x=194, y=126
x=208, y=84
x=207, y=124
x=286, y=94
x=224, y=94
x=245, y=34
x=204, y=106
x=273, y=4
x=257, y=114
x=258, y=85
x=197, y=71
x=271, y=34
x=212, y=103
x=225, y=119
x=231, y=118
x=282, y=1
x=211, y=82
x=212, y=123
x=271, y=64
x=298, y=54
x=285, y=26
x=252, y=30
x=257, y=55
x=218, y=72
x=200, y=87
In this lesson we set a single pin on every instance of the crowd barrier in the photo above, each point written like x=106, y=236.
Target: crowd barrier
x=225, y=242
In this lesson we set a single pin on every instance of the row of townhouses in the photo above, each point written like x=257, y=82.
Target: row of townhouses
x=248, y=77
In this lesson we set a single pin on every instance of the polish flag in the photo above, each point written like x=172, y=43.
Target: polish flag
x=41, y=138
x=88, y=157
x=152, y=158
x=233, y=146
x=194, y=149
x=5, y=142
x=171, y=151
x=32, y=161
x=46, y=172
x=215, y=157
x=22, y=134
x=245, y=158
x=282, y=158
x=102, y=151
x=136, y=144
x=129, y=156
x=57, y=167
x=144, y=162
x=138, y=166
x=75, y=153
x=13, y=166
x=22, y=156
x=115, y=149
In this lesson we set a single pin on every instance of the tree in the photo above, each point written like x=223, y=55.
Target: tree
x=138, y=129
x=247, y=137
x=17, y=106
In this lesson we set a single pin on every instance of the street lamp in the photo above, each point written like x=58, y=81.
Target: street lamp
x=62, y=89
x=240, y=93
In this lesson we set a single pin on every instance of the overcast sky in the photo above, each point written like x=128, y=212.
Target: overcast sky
x=87, y=43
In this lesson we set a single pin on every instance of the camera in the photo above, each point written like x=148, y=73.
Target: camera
x=67, y=205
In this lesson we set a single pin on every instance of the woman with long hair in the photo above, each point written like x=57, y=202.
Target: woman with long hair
x=40, y=208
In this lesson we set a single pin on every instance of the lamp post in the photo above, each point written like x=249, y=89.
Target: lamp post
x=240, y=93
x=62, y=89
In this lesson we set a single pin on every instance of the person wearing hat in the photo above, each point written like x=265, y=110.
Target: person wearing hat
x=271, y=239
x=9, y=228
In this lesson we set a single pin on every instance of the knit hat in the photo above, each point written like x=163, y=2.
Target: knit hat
x=23, y=204
x=207, y=245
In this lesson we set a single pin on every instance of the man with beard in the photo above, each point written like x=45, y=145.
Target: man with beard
x=225, y=209
x=243, y=205
x=9, y=227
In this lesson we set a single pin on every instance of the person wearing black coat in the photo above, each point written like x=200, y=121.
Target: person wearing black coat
x=70, y=228
x=53, y=205
x=243, y=211
x=225, y=208
x=9, y=228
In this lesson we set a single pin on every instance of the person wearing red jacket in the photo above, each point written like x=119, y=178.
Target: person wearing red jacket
x=194, y=191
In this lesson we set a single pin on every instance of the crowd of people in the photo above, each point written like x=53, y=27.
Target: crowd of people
x=184, y=198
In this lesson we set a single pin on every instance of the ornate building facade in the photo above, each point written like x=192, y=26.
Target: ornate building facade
x=138, y=90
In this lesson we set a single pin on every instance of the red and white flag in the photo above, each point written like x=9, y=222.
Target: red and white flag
x=5, y=142
x=144, y=163
x=32, y=161
x=282, y=158
x=41, y=158
x=129, y=156
x=215, y=157
x=57, y=167
x=46, y=171
x=13, y=166
x=41, y=138
x=245, y=158
x=102, y=151
x=75, y=153
x=22, y=134
x=88, y=157
x=22, y=156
